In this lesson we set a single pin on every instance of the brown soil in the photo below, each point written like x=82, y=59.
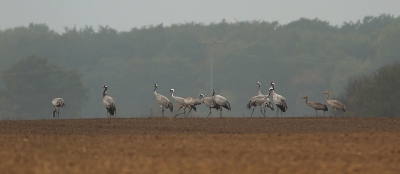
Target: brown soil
x=201, y=145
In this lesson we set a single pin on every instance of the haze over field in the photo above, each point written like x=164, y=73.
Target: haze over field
x=71, y=49
x=123, y=15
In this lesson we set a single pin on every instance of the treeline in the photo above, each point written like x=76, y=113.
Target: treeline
x=304, y=57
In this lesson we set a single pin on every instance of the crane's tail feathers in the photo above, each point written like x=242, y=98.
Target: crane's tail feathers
x=194, y=108
x=227, y=106
x=249, y=104
x=171, y=107
x=282, y=108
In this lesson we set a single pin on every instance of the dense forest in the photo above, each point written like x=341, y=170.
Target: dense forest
x=304, y=57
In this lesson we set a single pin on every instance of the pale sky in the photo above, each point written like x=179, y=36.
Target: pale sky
x=123, y=15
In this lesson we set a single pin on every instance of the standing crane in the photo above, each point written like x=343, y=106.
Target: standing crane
x=209, y=102
x=180, y=101
x=335, y=104
x=316, y=106
x=260, y=100
x=109, y=102
x=279, y=100
x=57, y=103
x=221, y=101
x=163, y=101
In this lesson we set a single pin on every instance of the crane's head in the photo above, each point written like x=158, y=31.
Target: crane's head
x=155, y=85
x=326, y=92
x=272, y=84
x=105, y=86
x=259, y=83
x=172, y=90
x=213, y=93
x=201, y=95
x=305, y=97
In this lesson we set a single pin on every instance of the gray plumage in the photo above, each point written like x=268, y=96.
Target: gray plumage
x=279, y=100
x=260, y=100
x=221, y=101
x=57, y=103
x=317, y=106
x=191, y=103
x=180, y=101
x=163, y=101
x=209, y=102
x=109, y=103
x=335, y=104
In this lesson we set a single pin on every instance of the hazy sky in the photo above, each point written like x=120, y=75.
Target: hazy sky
x=124, y=15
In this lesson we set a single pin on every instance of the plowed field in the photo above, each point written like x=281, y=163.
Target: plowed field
x=201, y=145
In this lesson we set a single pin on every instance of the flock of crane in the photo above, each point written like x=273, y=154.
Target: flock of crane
x=217, y=102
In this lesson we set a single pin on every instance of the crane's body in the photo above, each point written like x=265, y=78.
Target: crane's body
x=57, y=103
x=209, y=102
x=335, y=104
x=279, y=100
x=163, y=101
x=221, y=101
x=109, y=103
x=317, y=106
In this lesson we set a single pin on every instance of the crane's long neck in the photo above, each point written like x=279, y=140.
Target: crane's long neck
x=155, y=88
x=259, y=89
x=306, y=100
x=327, y=96
x=172, y=93
x=273, y=92
x=104, y=92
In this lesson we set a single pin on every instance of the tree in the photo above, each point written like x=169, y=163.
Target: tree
x=31, y=85
x=374, y=95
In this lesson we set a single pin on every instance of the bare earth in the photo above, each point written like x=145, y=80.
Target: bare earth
x=201, y=145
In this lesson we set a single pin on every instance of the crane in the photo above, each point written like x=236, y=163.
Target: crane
x=109, y=102
x=335, y=104
x=163, y=101
x=316, y=106
x=221, y=101
x=57, y=103
x=279, y=100
x=209, y=102
x=260, y=100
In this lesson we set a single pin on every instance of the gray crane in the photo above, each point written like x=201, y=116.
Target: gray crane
x=163, y=101
x=57, y=103
x=335, y=104
x=221, y=101
x=209, y=102
x=180, y=101
x=316, y=106
x=109, y=102
x=191, y=103
x=279, y=100
x=260, y=100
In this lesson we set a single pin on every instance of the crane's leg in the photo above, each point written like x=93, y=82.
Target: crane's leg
x=184, y=111
x=58, y=113
x=220, y=112
x=252, y=112
x=54, y=113
x=189, y=112
x=324, y=114
x=162, y=111
x=316, y=113
x=263, y=113
x=209, y=113
x=277, y=112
